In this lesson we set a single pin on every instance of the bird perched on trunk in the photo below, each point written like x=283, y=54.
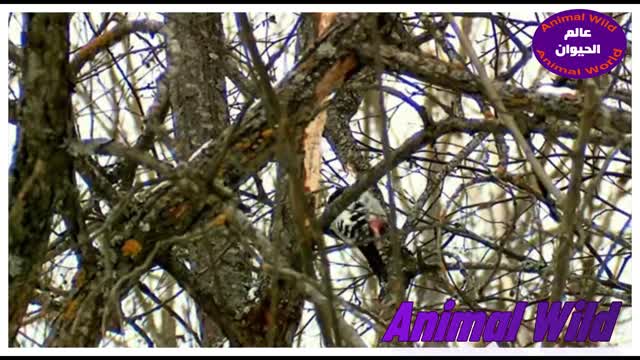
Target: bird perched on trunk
x=362, y=224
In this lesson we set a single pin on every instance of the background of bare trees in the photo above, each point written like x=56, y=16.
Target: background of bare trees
x=158, y=188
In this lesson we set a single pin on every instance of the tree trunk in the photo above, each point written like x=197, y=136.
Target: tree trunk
x=42, y=173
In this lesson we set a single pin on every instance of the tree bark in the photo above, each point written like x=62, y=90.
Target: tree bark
x=42, y=173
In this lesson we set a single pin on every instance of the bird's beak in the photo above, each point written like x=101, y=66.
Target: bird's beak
x=377, y=226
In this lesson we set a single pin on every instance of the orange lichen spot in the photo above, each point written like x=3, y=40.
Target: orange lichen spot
x=242, y=146
x=178, y=211
x=267, y=133
x=501, y=171
x=220, y=220
x=71, y=309
x=131, y=248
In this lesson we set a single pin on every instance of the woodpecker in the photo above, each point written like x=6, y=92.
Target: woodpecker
x=362, y=223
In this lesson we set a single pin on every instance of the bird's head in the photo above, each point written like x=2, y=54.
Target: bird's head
x=376, y=216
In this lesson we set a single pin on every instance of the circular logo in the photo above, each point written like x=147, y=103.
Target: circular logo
x=579, y=44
